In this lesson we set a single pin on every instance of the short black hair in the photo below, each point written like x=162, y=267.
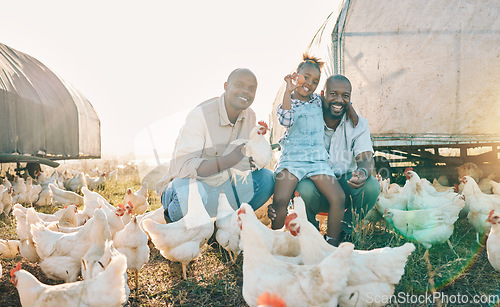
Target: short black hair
x=338, y=78
x=238, y=70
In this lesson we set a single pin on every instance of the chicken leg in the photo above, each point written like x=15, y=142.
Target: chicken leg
x=451, y=247
x=136, y=281
x=431, y=275
x=184, y=268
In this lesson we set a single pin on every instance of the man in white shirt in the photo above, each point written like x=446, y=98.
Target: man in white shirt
x=351, y=158
x=200, y=152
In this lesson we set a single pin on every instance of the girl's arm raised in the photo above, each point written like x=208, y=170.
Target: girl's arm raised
x=351, y=114
x=287, y=96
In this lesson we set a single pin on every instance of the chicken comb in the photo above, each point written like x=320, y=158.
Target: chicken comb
x=268, y=299
x=14, y=270
x=491, y=214
x=263, y=123
x=296, y=194
x=242, y=210
x=408, y=169
x=121, y=206
x=290, y=217
x=130, y=204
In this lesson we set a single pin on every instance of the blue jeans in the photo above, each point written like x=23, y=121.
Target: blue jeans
x=256, y=191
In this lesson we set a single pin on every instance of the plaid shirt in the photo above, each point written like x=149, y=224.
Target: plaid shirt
x=285, y=117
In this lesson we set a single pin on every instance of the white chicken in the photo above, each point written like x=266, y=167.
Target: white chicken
x=279, y=242
x=495, y=187
x=139, y=199
x=106, y=289
x=61, y=252
x=228, y=230
x=480, y=205
x=49, y=243
x=298, y=285
x=468, y=169
x=373, y=273
x=441, y=188
x=93, y=201
x=182, y=240
x=115, y=221
x=493, y=242
x=156, y=215
x=20, y=192
x=111, y=175
x=67, y=219
x=44, y=197
x=27, y=247
x=9, y=248
x=32, y=191
x=76, y=183
x=471, y=170
x=257, y=149
x=427, y=226
x=132, y=241
x=129, y=212
x=95, y=182
x=423, y=195
x=97, y=259
x=69, y=216
x=485, y=184
x=63, y=197
x=5, y=199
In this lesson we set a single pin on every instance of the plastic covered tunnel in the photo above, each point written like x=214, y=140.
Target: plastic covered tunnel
x=41, y=115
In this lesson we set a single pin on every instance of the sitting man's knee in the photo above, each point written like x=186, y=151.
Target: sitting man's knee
x=307, y=190
x=372, y=187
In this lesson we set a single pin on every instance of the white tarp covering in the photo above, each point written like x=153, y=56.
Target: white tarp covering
x=422, y=67
x=42, y=116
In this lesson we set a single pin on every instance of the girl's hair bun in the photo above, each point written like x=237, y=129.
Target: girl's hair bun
x=311, y=60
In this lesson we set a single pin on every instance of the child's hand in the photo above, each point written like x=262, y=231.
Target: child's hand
x=293, y=81
x=351, y=114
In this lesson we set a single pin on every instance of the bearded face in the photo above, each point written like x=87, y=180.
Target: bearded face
x=336, y=97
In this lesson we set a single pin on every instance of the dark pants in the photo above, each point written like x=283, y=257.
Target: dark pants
x=358, y=201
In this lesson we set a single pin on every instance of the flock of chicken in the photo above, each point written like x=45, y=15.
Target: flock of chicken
x=426, y=213
x=101, y=241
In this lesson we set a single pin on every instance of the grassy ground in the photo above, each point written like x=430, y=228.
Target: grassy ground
x=214, y=281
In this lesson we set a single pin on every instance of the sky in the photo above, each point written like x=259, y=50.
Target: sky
x=144, y=65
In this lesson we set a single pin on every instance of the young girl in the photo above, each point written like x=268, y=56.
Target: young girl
x=304, y=154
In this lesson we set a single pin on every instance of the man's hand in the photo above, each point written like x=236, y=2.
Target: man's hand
x=271, y=213
x=238, y=153
x=358, y=179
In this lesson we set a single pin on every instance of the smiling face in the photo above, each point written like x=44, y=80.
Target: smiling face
x=240, y=89
x=311, y=76
x=336, y=97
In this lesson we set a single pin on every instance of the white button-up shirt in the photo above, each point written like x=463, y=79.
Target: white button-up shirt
x=345, y=143
x=206, y=134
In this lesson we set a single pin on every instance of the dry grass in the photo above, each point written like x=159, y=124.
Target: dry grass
x=214, y=281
